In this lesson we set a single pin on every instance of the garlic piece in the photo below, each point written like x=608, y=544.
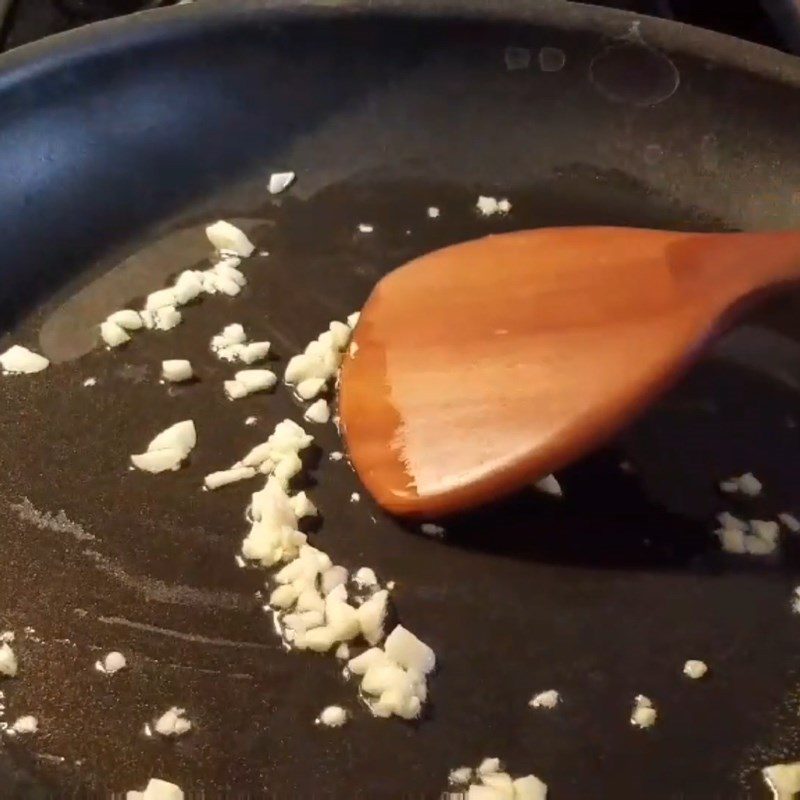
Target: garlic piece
x=547, y=699
x=783, y=780
x=173, y=723
x=408, y=651
x=530, y=787
x=254, y=351
x=166, y=318
x=127, y=319
x=24, y=725
x=18, y=360
x=372, y=615
x=227, y=476
x=332, y=717
x=158, y=460
x=309, y=388
x=176, y=370
x=489, y=206
x=280, y=182
x=644, y=714
x=695, y=669
x=157, y=790
x=249, y=381
x=159, y=299
x=228, y=238
x=112, y=334
x=318, y=411
x=549, y=485
x=8, y=661
x=168, y=449
x=112, y=662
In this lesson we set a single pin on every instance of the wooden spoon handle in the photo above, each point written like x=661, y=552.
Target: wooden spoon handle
x=734, y=266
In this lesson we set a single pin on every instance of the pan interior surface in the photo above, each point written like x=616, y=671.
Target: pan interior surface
x=116, y=155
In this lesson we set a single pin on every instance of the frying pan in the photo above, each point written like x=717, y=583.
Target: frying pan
x=121, y=140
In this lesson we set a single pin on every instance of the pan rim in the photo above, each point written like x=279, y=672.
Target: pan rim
x=60, y=50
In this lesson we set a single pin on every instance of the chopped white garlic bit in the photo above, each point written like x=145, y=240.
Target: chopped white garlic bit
x=343, y=651
x=310, y=371
x=231, y=344
x=166, y=318
x=488, y=206
x=460, y=775
x=789, y=521
x=757, y=537
x=173, y=722
x=746, y=484
x=251, y=421
x=644, y=714
x=280, y=182
x=749, y=485
x=169, y=449
x=318, y=412
x=90, y=382
x=24, y=725
x=332, y=717
x=227, y=238
x=227, y=476
x=128, y=319
x=283, y=444
x=336, y=455
x=112, y=334
x=365, y=576
x=302, y=505
x=256, y=380
x=157, y=461
x=547, y=699
x=112, y=662
x=249, y=381
x=231, y=334
x=490, y=782
x=8, y=661
x=783, y=780
x=254, y=351
x=274, y=536
x=529, y=787
x=727, y=520
x=157, y=790
x=432, y=530
x=18, y=360
x=695, y=669
x=355, y=497
x=371, y=616
x=309, y=388
x=365, y=228
x=489, y=766
x=161, y=298
x=549, y=485
x=409, y=652
x=795, y=602
x=161, y=306
x=176, y=370
x=309, y=597
x=433, y=212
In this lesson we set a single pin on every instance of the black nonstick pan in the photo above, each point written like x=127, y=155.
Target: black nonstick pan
x=119, y=142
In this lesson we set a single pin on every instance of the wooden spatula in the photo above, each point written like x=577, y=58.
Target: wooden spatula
x=478, y=368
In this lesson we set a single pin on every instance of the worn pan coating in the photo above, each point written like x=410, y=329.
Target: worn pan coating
x=119, y=141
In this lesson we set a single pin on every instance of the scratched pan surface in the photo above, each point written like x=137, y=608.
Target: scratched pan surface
x=120, y=142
